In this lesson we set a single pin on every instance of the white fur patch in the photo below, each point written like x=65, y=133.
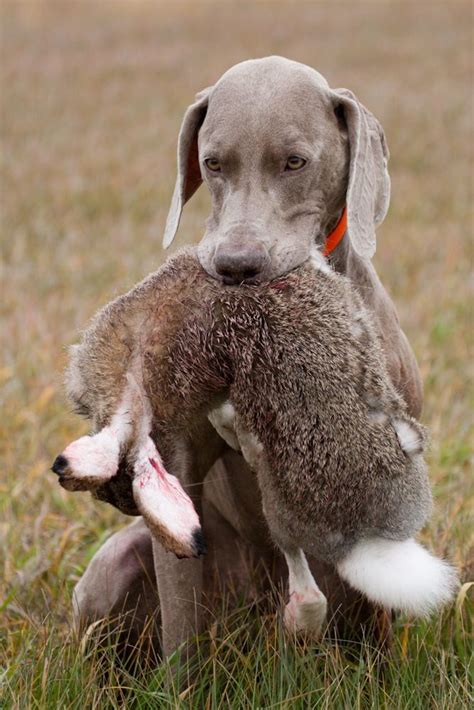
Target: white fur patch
x=252, y=448
x=377, y=415
x=223, y=420
x=356, y=329
x=318, y=261
x=408, y=437
x=399, y=575
x=94, y=459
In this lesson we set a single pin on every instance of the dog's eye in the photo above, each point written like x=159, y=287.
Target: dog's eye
x=294, y=162
x=213, y=165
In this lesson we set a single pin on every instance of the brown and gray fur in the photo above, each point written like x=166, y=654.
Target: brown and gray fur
x=348, y=146
x=337, y=458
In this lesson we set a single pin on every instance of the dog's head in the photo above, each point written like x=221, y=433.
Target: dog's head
x=281, y=154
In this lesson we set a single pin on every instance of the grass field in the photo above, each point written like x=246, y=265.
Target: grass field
x=92, y=97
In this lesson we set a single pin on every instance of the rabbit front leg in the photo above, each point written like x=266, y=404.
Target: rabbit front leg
x=305, y=613
x=166, y=508
x=90, y=461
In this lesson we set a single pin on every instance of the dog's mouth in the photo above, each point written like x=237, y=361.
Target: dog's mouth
x=241, y=278
x=244, y=278
x=277, y=281
x=274, y=278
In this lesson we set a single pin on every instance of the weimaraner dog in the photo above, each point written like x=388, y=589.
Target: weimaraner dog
x=287, y=161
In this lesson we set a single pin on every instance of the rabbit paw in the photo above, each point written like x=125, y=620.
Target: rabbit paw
x=165, y=506
x=89, y=461
x=305, y=613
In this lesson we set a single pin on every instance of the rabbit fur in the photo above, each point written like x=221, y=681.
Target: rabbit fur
x=297, y=363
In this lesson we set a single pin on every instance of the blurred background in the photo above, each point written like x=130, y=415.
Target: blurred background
x=92, y=99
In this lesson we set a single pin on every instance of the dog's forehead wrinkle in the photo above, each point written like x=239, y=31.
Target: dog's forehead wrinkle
x=280, y=104
x=289, y=113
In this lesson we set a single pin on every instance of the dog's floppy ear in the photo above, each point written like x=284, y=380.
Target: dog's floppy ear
x=189, y=177
x=368, y=191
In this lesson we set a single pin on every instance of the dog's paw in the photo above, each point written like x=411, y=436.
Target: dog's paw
x=88, y=462
x=166, y=508
x=305, y=614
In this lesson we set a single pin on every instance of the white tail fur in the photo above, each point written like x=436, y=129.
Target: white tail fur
x=399, y=575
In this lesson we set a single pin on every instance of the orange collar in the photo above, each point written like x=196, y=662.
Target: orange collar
x=335, y=237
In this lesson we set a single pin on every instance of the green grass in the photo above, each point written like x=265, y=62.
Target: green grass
x=248, y=662
x=92, y=98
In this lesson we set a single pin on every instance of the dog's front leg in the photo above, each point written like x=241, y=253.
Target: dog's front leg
x=181, y=581
x=180, y=588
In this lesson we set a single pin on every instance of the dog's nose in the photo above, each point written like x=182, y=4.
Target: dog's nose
x=237, y=264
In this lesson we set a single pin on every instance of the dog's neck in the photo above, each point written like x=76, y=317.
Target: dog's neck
x=338, y=255
x=344, y=260
x=336, y=235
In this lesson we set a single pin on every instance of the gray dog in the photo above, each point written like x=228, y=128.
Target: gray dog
x=286, y=159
